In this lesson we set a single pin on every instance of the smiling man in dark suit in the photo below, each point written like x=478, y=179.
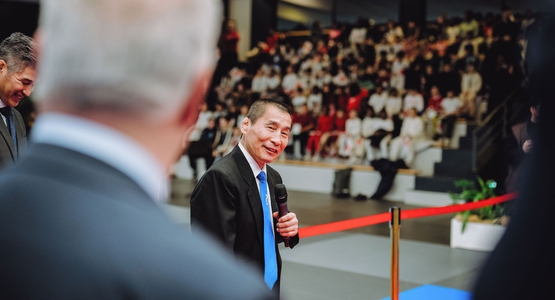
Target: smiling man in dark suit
x=17, y=80
x=235, y=200
x=120, y=83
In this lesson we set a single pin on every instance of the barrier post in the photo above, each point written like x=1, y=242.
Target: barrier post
x=395, y=226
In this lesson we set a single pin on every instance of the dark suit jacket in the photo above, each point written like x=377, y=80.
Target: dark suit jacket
x=73, y=227
x=8, y=155
x=226, y=202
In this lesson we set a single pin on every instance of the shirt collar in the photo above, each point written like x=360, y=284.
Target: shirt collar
x=107, y=145
x=252, y=163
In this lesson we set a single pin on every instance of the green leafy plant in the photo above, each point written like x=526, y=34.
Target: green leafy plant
x=492, y=214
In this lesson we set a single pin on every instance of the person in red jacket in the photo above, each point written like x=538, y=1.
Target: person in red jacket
x=328, y=142
x=324, y=125
x=357, y=96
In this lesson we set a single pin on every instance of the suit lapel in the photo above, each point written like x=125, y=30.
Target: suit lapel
x=20, y=131
x=7, y=138
x=253, y=194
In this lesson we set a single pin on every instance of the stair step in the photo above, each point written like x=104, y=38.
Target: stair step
x=442, y=184
x=427, y=198
x=452, y=170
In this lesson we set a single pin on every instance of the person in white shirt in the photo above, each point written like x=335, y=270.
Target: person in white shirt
x=298, y=99
x=398, y=67
x=412, y=130
x=314, y=101
x=290, y=81
x=383, y=46
x=378, y=99
x=305, y=79
x=413, y=99
x=450, y=110
x=350, y=143
x=202, y=122
x=471, y=83
x=358, y=34
x=341, y=79
x=273, y=80
x=393, y=104
x=376, y=130
x=258, y=84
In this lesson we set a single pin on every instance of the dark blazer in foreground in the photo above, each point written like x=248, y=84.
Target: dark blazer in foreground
x=72, y=227
x=8, y=155
x=226, y=202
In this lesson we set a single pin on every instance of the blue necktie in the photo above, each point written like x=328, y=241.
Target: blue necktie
x=7, y=112
x=270, y=261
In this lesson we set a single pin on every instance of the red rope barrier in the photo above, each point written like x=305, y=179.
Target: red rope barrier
x=407, y=214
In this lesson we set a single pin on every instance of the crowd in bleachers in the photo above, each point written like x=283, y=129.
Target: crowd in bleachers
x=366, y=91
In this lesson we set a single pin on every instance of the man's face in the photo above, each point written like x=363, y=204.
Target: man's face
x=16, y=86
x=266, y=139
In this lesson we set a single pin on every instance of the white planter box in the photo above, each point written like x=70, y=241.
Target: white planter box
x=476, y=236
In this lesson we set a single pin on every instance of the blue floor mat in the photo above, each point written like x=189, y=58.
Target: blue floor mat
x=433, y=292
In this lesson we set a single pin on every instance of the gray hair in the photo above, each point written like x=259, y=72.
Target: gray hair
x=18, y=52
x=258, y=108
x=134, y=56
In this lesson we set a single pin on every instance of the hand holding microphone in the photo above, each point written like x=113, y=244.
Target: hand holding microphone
x=287, y=227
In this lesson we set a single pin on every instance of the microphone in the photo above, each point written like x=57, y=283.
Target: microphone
x=281, y=198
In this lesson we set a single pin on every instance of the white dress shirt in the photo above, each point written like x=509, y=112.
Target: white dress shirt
x=255, y=171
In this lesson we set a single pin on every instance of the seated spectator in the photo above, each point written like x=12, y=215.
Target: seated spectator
x=413, y=99
x=340, y=98
x=243, y=110
x=324, y=125
x=222, y=138
x=240, y=95
x=468, y=57
x=413, y=76
x=328, y=141
x=430, y=79
x=202, y=148
x=325, y=77
x=378, y=99
x=305, y=80
x=393, y=103
x=398, y=67
x=376, y=131
x=258, y=84
x=290, y=81
x=220, y=110
x=403, y=146
x=449, y=80
x=297, y=99
x=349, y=143
x=202, y=122
x=450, y=111
x=273, y=81
x=431, y=115
x=383, y=78
x=469, y=26
x=303, y=123
x=314, y=101
x=341, y=79
x=383, y=61
x=357, y=95
x=368, y=79
x=471, y=84
x=393, y=31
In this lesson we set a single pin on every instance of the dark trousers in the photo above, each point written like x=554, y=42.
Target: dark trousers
x=448, y=125
x=303, y=138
